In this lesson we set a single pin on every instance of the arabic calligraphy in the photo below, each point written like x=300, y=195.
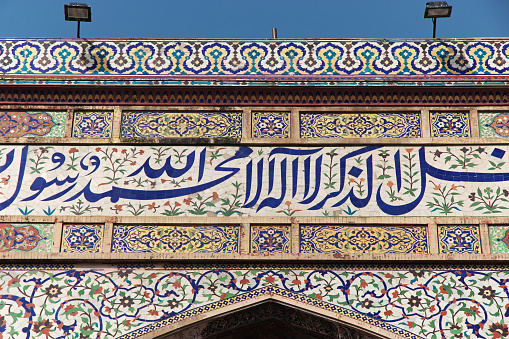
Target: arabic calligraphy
x=256, y=181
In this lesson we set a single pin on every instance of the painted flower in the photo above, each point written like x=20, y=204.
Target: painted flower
x=486, y=292
x=414, y=301
x=471, y=196
x=127, y=301
x=141, y=152
x=123, y=151
x=124, y=273
x=212, y=288
x=73, y=150
x=173, y=303
x=499, y=330
x=367, y=303
x=187, y=201
x=417, y=274
x=409, y=150
x=98, y=149
x=390, y=184
x=43, y=326
x=456, y=328
x=53, y=291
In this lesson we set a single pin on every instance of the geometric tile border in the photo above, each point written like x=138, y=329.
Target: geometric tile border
x=459, y=239
x=82, y=238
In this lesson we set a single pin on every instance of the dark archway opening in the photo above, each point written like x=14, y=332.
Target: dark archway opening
x=268, y=320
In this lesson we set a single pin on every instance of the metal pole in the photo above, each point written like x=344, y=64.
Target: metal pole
x=434, y=26
x=79, y=30
x=274, y=33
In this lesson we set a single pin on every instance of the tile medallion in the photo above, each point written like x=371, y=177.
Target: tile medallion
x=494, y=125
x=175, y=239
x=32, y=124
x=499, y=239
x=450, y=124
x=92, y=124
x=459, y=239
x=372, y=239
x=179, y=125
x=271, y=124
x=128, y=301
x=360, y=125
x=26, y=237
x=83, y=238
x=270, y=239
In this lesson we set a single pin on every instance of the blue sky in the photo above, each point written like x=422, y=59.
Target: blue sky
x=254, y=19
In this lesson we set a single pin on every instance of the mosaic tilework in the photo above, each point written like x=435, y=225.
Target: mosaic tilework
x=346, y=239
x=189, y=96
x=459, y=239
x=499, y=239
x=83, y=238
x=26, y=237
x=92, y=124
x=450, y=124
x=177, y=125
x=270, y=239
x=255, y=58
x=32, y=124
x=127, y=301
x=271, y=125
x=494, y=125
x=229, y=181
x=360, y=125
x=175, y=239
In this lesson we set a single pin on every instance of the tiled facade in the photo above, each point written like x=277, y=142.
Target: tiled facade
x=146, y=184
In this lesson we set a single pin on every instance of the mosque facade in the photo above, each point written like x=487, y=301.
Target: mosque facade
x=255, y=188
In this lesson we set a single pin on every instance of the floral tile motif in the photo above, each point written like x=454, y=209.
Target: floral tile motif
x=459, y=239
x=270, y=239
x=175, y=239
x=360, y=125
x=271, y=125
x=92, y=124
x=470, y=300
x=26, y=237
x=499, y=239
x=83, y=238
x=348, y=239
x=494, y=125
x=450, y=124
x=179, y=125
x=32, y=124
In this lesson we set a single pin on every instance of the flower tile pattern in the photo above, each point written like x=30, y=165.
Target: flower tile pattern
x=179, y=125
x=450, y=124
x=271, y=125
x=499, y=239
x=270, y=239
x=26, y=237
x=459, y=239
x=175, y=239
x=360, y=125
x=347, y=239
x=82, y=238
x=255, y=58
x=128, y=301
x=229, y=181
x=32, y=124
x=494, y=125
x=92, y=124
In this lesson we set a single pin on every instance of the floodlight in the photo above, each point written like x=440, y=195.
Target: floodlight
x=437, y=9
x=78, y=12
